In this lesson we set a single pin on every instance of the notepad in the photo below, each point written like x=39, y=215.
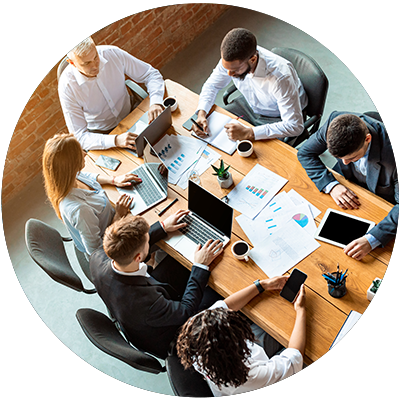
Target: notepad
x=217, y=134
x=365, y=342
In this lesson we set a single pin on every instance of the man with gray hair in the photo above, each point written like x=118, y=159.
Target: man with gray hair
x=94, y=98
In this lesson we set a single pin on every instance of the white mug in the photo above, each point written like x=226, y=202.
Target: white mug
x=241, y=252
x=246, y=152
x=171, y=101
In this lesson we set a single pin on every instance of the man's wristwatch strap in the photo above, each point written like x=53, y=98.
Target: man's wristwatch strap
x=259, y=286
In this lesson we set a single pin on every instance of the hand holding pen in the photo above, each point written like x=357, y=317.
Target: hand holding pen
x=200, y=127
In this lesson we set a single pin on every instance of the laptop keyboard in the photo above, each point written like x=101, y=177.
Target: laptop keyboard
x=148, y=192
x=198, y=232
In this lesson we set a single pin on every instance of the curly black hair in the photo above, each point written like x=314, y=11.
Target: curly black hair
x=238, y=44
x=216, y=341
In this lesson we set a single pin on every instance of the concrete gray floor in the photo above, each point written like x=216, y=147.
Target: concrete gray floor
x=44, y=352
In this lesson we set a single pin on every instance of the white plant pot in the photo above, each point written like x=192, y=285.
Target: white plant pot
x=225, y=183
x=380, y=301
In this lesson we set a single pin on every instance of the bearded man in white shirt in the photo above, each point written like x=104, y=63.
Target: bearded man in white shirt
x=94, y=98
x=268, y=82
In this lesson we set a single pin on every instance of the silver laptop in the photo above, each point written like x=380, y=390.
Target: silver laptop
x=154, y=186
x=152, y=132
x=209, y=218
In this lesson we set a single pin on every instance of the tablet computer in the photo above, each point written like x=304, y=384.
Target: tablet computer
x=339, y=228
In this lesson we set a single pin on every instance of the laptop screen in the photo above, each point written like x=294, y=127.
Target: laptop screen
x=155, y=166
x=210, y=208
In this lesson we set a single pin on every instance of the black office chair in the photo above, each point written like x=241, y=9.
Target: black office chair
x=46, y=247
x=104, y=334
x=138, y=92
x=315, y=84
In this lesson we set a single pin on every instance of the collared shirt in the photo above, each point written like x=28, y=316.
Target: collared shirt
x=274, y=90
x=264, y=371
x=87, y=214
x=102, y=102
x=142, y=271
x=360, y=172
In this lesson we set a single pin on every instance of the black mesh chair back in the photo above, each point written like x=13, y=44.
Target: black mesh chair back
x=46, y=247
x=103, y=333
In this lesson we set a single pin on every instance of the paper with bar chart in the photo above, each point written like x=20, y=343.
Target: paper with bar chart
x=255, y=191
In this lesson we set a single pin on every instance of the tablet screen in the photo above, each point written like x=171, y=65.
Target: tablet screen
x=343, y=229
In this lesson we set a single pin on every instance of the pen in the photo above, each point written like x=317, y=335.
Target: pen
x=328, y=278
x=168, y=206
x=200, y=127
x=240, y=117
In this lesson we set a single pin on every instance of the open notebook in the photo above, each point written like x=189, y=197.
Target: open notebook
x=365, y=342
x=217, y=136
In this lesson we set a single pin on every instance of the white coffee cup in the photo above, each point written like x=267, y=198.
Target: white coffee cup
x=171, y=101
x=240, y=250
x=244, y=148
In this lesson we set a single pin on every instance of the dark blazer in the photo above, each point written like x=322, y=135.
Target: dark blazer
x=143, y=306
x=381, y=176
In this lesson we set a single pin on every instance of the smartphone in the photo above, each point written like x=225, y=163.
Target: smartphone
x=293, y=284
x=108, y=162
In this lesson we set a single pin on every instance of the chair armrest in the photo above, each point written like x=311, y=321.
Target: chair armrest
x=136, y=88
x=311, y=121
x=231, y=89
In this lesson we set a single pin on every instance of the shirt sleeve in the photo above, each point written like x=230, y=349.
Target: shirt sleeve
x=287, y=97
x=88, y=226
x=76, y=123
x=218, y=79
x=143, y=72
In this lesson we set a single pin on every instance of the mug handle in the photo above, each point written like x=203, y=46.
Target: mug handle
x=246, y=258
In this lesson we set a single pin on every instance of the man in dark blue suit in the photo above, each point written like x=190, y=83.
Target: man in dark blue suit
x=365, y=156
x=150, y=305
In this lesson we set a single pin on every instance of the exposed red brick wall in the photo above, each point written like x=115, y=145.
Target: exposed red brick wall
x=155, y=36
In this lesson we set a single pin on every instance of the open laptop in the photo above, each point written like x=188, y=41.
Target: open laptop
x=154, y=186
x=209, y=218
x=152, y=132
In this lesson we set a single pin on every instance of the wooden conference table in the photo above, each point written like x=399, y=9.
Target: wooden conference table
x=325, y=314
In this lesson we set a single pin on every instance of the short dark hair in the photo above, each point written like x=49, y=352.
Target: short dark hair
x=216, y=340
x=238, y=44
x=124, y=238
x=345, y=135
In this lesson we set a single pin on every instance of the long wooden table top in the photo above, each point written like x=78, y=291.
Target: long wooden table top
x=325, y=314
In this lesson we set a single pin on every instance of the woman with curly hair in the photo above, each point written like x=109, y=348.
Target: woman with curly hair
x=77, y=197
x=220, y=344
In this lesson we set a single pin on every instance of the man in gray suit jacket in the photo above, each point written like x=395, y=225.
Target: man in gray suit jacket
x=362, y=147
x=150, y=305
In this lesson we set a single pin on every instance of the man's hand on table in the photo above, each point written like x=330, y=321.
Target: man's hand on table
x=202, y=121
x=126, y=140
x=237, y=131
x=172, y=224
x=358, y=248
x=154, y=111
x=206, y=254
x=344, y=197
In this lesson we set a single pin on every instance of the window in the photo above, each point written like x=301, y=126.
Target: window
x=23, y=23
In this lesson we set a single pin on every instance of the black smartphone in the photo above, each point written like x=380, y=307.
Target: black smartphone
x=293, y=284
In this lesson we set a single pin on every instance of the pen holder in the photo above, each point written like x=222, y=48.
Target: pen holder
x=338, y=290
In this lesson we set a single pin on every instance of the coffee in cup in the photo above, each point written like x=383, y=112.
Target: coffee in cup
x=245, y=148
x=240, y=250
x=171, y=102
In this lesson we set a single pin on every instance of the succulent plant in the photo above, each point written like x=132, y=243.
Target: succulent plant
x=221, y=172
x=380, y=288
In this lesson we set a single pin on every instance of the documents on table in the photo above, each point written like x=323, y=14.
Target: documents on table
x=217, y=134
x=178, y=153
x=208, y=157
x=297, y=199
x=283, y=250
x=365, y=342
x=255, y=191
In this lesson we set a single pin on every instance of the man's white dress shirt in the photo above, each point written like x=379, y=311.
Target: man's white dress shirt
x=264, y=371
x=102, y=102
x=273, y=90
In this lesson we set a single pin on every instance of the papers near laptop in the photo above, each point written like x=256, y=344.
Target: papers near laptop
x=255, y=191
x=217, y=134
x=351, y=320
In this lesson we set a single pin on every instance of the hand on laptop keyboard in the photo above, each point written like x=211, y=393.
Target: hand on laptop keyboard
x=171, y=224
x=126, y=180
x=207, y=253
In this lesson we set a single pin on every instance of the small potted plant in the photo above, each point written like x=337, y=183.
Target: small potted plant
x=380, y=292
x=224, y=176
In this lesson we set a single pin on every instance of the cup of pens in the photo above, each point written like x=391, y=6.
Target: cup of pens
x=336, y=283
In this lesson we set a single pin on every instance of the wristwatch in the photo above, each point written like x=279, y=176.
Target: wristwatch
x=259, y=286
